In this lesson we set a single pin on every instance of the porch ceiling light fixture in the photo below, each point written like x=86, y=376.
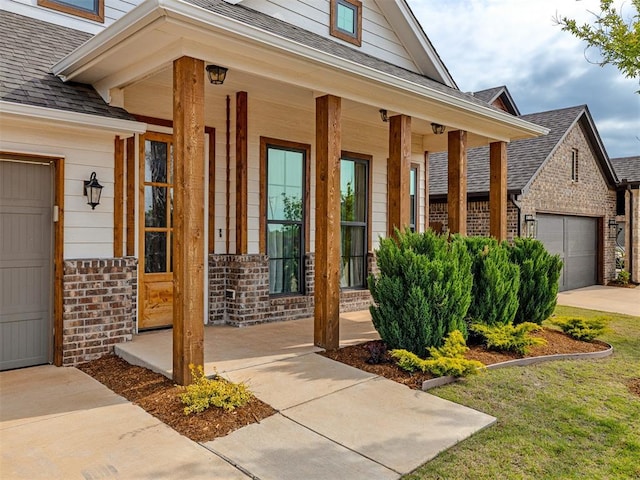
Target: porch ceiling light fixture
x=216, y=74
x=92, y=190
x=437, y=128
x=384, y=116
x=613, y=228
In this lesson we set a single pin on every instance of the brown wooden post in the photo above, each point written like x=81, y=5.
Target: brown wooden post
x=498, y=190
x=188, y=214
x=241, y=172
x=398, y=173
x=457, y=172
x=131, y=196
x=326, y=332
x=118, y=196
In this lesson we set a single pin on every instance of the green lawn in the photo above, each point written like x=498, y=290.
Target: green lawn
x=558, y=420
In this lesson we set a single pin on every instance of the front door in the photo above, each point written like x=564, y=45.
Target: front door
x=156, y=230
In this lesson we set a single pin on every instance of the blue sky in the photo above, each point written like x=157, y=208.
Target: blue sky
x=487, y=43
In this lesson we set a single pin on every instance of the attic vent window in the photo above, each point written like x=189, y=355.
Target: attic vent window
x=90, y=9
x=346, y=20
x=574, y=165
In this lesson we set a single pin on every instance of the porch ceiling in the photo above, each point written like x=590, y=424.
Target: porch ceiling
x=141, y=47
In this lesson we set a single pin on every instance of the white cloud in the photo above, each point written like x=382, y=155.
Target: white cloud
x=486, y=43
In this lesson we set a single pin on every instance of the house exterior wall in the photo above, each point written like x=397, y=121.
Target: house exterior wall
x=553, y=191
x=113, y=10
x=633, y=219
x=477, y=218
x=99, y=307
x=378, y=37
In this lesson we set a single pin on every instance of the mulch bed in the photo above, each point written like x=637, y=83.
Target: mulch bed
x=557, y=343
x=158, y=395
x=634, y=386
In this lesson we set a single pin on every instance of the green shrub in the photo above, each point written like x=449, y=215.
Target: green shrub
x=539, y=274
x=217, y=392
x=423, y=290
x=581, y=328
x=446, y=360
x=624, y=277
x=496, y=280
x=511, y=338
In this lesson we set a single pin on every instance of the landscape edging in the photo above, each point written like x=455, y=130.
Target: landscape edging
x=521, y=362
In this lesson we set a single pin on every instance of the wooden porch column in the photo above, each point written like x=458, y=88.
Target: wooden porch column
x=241, y=172
x=457, y=174
x=398, y=173
x=188, y=215
x=326, y=331
x=498, y=190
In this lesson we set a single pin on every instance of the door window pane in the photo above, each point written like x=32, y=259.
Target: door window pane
x=155, y=252
x=155, y=206
x=158, y=162
x=353, y=247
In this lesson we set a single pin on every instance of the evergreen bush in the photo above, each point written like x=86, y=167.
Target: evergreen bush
x=423, y=290
x=213, y=392
x=496, y=280
x=509, y=337
x=539, y=274
x=581, y=328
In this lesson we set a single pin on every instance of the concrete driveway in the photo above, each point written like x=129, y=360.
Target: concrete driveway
x=605, y=299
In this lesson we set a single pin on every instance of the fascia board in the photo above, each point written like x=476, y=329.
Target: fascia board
x=75, y=119
x=150, y=11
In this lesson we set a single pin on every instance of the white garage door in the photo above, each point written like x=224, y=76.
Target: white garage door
x=575, y=239
x=26, y=246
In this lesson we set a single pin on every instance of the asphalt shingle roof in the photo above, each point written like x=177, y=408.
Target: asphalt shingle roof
x=524, y=157
x=28, y=49
x=488, y=95
x=627, y=168
x=292, y=32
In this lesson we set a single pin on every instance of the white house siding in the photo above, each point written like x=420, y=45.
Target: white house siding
x=88, y=233
x=113, y=10
x=378, y=38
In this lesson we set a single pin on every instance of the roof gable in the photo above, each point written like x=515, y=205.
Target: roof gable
x=500, y=98
x=525, y=158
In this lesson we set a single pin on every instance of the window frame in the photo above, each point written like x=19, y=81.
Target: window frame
x=574, y=165
x=416, y=204
x=335, y=31
x=368, y=161
x=97, y=15
x=305, y=149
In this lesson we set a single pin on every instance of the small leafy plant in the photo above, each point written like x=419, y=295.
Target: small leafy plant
x=446, y=360
x=624, y=277
x=377, y=352
x=509, y=337
x=213, y=392
x=581, y=328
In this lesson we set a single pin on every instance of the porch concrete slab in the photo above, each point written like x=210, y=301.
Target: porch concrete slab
x=390, y=423
x=280, y=449
x=605, y=299
x=100, y=436
x=227, y=348
x=292, y=381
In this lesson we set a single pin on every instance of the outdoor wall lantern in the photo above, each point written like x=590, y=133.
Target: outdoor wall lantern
x=92, y=190
x=437, y=128
x=613, y=228
x=384, y=116
x=216, y=74
x=530, y=224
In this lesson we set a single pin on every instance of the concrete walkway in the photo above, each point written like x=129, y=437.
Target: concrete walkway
x=333, y=421
x=605, y=299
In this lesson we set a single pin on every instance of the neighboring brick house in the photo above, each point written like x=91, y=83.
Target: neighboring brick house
x=561, y=190
x=628, y=212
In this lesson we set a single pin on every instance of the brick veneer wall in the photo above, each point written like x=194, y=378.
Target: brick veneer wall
x=477, y=217
x=553, y=191
x=634, y=233
x=247, y=276
x=99, y=306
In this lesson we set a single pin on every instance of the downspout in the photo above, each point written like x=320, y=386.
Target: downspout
x=519, y=207
x=228, y=173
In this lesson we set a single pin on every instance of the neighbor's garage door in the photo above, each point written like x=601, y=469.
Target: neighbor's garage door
x=575, y=239
x=26, y=246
